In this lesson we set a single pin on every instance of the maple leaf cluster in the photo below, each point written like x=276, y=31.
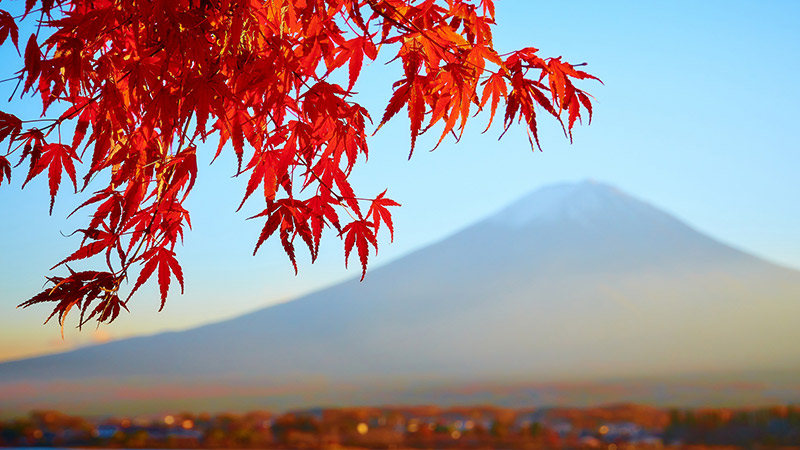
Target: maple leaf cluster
x=142, y=83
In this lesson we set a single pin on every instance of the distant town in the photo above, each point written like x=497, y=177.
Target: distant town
x=616, y=427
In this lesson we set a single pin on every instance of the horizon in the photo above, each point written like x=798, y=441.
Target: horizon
x=684, y=392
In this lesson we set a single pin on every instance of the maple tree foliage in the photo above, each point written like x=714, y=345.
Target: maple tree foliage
x=142, y=83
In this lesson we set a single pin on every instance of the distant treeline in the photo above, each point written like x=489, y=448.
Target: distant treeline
x=778, y=426
x=623, y=427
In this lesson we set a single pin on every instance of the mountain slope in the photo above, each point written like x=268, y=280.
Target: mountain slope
x=576, y=280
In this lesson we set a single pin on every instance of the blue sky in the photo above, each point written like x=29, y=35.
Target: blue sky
x=697, y=116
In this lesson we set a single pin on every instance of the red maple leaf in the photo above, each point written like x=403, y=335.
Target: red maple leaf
x=379, y=213
x=8, y=27
x=57, y=158
x=361, y=234
x=5, y=169
x=164, y=260
x=143, y=84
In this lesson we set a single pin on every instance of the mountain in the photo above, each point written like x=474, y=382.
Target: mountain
x=576, y=281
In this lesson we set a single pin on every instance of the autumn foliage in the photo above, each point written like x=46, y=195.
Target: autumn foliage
x=142, y=84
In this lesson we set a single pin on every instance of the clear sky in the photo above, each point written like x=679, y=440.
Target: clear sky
x=698, y=115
